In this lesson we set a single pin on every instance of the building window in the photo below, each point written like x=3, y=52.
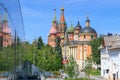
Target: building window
x=84, y=36
x=91, y=36
x=107, y=70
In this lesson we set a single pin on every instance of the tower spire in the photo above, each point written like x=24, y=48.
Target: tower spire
x=62, y=19
x=54, y=18
x=87, y=22
x=5, y=15
x=62, y=9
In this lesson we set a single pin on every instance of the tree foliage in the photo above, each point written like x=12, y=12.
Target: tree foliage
x=72, y=68
x=47, y=60
x=58, y=53
x=40, y=43
x=58, y=47
x=88, y=66
x=43, y=55
x=95, y=44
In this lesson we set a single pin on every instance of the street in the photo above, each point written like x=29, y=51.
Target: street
x=81, y=75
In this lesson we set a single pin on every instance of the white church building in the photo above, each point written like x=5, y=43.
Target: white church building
x=110, y=57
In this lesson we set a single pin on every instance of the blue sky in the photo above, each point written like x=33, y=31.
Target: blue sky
x=38, y=14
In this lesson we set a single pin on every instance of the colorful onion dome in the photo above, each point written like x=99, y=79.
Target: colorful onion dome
x=78, y=26
x=53, y=30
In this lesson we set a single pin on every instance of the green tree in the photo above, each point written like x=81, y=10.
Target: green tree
x=28, y=52
x=47, y=60
x=72, y=68
x=88, y=66
x=40, y=43
x=57, y=62
x=58, y=47
x=95, y=44
x=6, y=59
x=58, y=51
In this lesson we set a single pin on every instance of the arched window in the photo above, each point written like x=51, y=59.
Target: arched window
x=91, y=36
x=84, y=36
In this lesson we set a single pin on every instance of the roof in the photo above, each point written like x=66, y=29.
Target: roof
x=71, y=29
x=62, y=18
x=53, y=30
x=88, y=30
x=54, y=18
x=87, y=19
x=115, y=47
x=78, y=26
x=112, y=40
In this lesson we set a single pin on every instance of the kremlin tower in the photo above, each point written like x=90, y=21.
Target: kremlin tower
x=75, y=41
x=5, y=32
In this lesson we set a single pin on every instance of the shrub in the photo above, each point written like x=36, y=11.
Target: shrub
x=95, y=72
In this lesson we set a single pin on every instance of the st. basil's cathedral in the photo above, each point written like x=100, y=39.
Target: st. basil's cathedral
x=75, y=41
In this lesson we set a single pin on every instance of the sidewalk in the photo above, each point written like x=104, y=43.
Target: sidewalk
x=3, y=78
x=97, y=78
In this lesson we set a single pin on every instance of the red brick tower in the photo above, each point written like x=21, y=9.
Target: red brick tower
x=62, y=26
x=5, y=34
x=53, y=31
x=7, y=39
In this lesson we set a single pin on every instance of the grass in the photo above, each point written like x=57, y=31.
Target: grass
x=95, y=72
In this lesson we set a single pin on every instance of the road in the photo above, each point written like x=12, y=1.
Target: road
x=81, y=75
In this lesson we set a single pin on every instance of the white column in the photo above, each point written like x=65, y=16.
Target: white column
x=80, y=53
x=69, y=51
x=75, y=52
x=84, y=52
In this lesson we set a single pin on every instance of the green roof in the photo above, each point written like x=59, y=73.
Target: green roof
x=71, y=29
